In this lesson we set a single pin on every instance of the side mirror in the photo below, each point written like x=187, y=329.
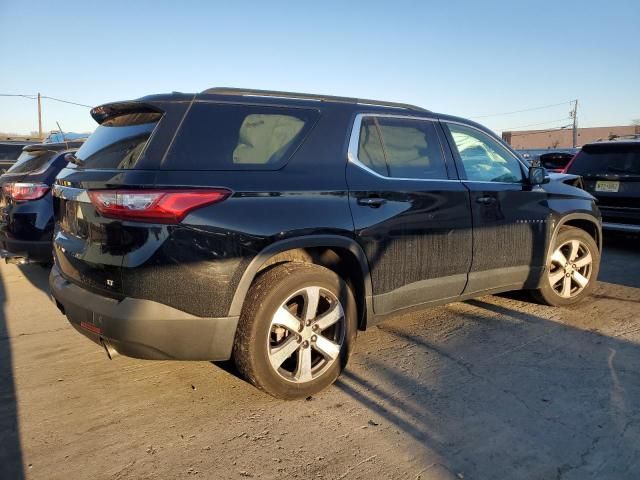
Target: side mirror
x=538, y=176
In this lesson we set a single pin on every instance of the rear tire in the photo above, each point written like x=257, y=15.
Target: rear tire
x=296, y=330
x=571, y=270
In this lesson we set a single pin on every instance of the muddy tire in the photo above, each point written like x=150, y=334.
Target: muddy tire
x=296, y=330
x=572, y=269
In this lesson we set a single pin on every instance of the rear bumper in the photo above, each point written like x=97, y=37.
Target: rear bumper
x=143, y=328
x=29, y=250
x=625, y=216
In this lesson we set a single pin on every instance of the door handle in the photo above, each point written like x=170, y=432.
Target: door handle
x=373, y=202
x=486, y=200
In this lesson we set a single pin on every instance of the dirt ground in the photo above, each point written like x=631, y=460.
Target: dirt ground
x=496, y=387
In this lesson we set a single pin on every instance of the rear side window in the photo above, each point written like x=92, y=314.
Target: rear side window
x=401, y=148
x=118, y=143
x=238, y=137
x=623, y=159
x=30, y=162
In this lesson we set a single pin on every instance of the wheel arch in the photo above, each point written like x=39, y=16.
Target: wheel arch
x=338, y=253
x=583, y=221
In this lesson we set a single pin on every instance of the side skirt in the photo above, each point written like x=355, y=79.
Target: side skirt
x=373, y=319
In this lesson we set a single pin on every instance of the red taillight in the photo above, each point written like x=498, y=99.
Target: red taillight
x=25, y=191
x=155, y=206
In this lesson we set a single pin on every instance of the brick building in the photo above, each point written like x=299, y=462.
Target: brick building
x=563, y=138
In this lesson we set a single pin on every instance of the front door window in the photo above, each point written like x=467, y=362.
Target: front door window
x=483, y=158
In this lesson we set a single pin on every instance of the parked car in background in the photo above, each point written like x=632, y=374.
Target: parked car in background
x=9, y=152
x=268, y=227
x=59, y=137
x=555, y=161
x=611, y=172
x=26, y=209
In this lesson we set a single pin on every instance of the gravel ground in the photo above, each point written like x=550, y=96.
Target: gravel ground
x=496, y=387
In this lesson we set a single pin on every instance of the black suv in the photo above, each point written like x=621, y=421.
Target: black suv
x=26, y=207
x=269, y=227
x=611, y=172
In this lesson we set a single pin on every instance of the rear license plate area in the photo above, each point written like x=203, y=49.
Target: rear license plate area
x=71, y=218
x=607, y=186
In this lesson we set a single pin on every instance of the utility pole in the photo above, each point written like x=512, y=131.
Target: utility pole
x=574, y=114
x=39, y=117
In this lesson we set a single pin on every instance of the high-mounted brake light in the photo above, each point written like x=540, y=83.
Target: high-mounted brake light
x=154, y=206
x=25, y=191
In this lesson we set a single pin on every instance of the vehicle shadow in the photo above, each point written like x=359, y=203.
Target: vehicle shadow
x=38, y=275
x=10, y=447
x=510, y=394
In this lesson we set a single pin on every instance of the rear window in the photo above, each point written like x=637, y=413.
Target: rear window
x=118, y=143
x=30, y=162
x=238, y=137
x=609, y=159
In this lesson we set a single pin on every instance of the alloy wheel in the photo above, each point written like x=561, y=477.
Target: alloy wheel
x=570, y=268
x=306, y=335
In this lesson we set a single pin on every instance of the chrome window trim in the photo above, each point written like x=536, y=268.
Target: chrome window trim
x=489, y=181
x=354, y=140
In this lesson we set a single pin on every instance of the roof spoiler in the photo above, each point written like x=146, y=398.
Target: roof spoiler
x=109, y=110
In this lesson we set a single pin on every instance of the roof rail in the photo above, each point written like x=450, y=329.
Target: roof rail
x=308, y=96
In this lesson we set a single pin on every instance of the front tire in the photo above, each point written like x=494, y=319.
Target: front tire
x=571, y=270
x=296, y=330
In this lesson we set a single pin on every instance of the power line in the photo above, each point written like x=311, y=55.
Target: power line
x=35, y=97
x=535, y=124
x=30, y=97
x=521, y=111
x=535, y=132
x=67, y=101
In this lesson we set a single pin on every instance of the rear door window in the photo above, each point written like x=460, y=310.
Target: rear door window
x=31, y=162
x=401, y=148
x=607, y=159
x=238, y=137
x=370, y=151
x=118, y=143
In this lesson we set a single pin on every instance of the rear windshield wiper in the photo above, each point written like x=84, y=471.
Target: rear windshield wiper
x=71, y=158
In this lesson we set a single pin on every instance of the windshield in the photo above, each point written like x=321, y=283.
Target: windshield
x=29, y=162
x=118, y=143
x=610, y=159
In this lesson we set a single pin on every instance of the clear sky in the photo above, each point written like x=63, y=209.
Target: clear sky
x=469, y=58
